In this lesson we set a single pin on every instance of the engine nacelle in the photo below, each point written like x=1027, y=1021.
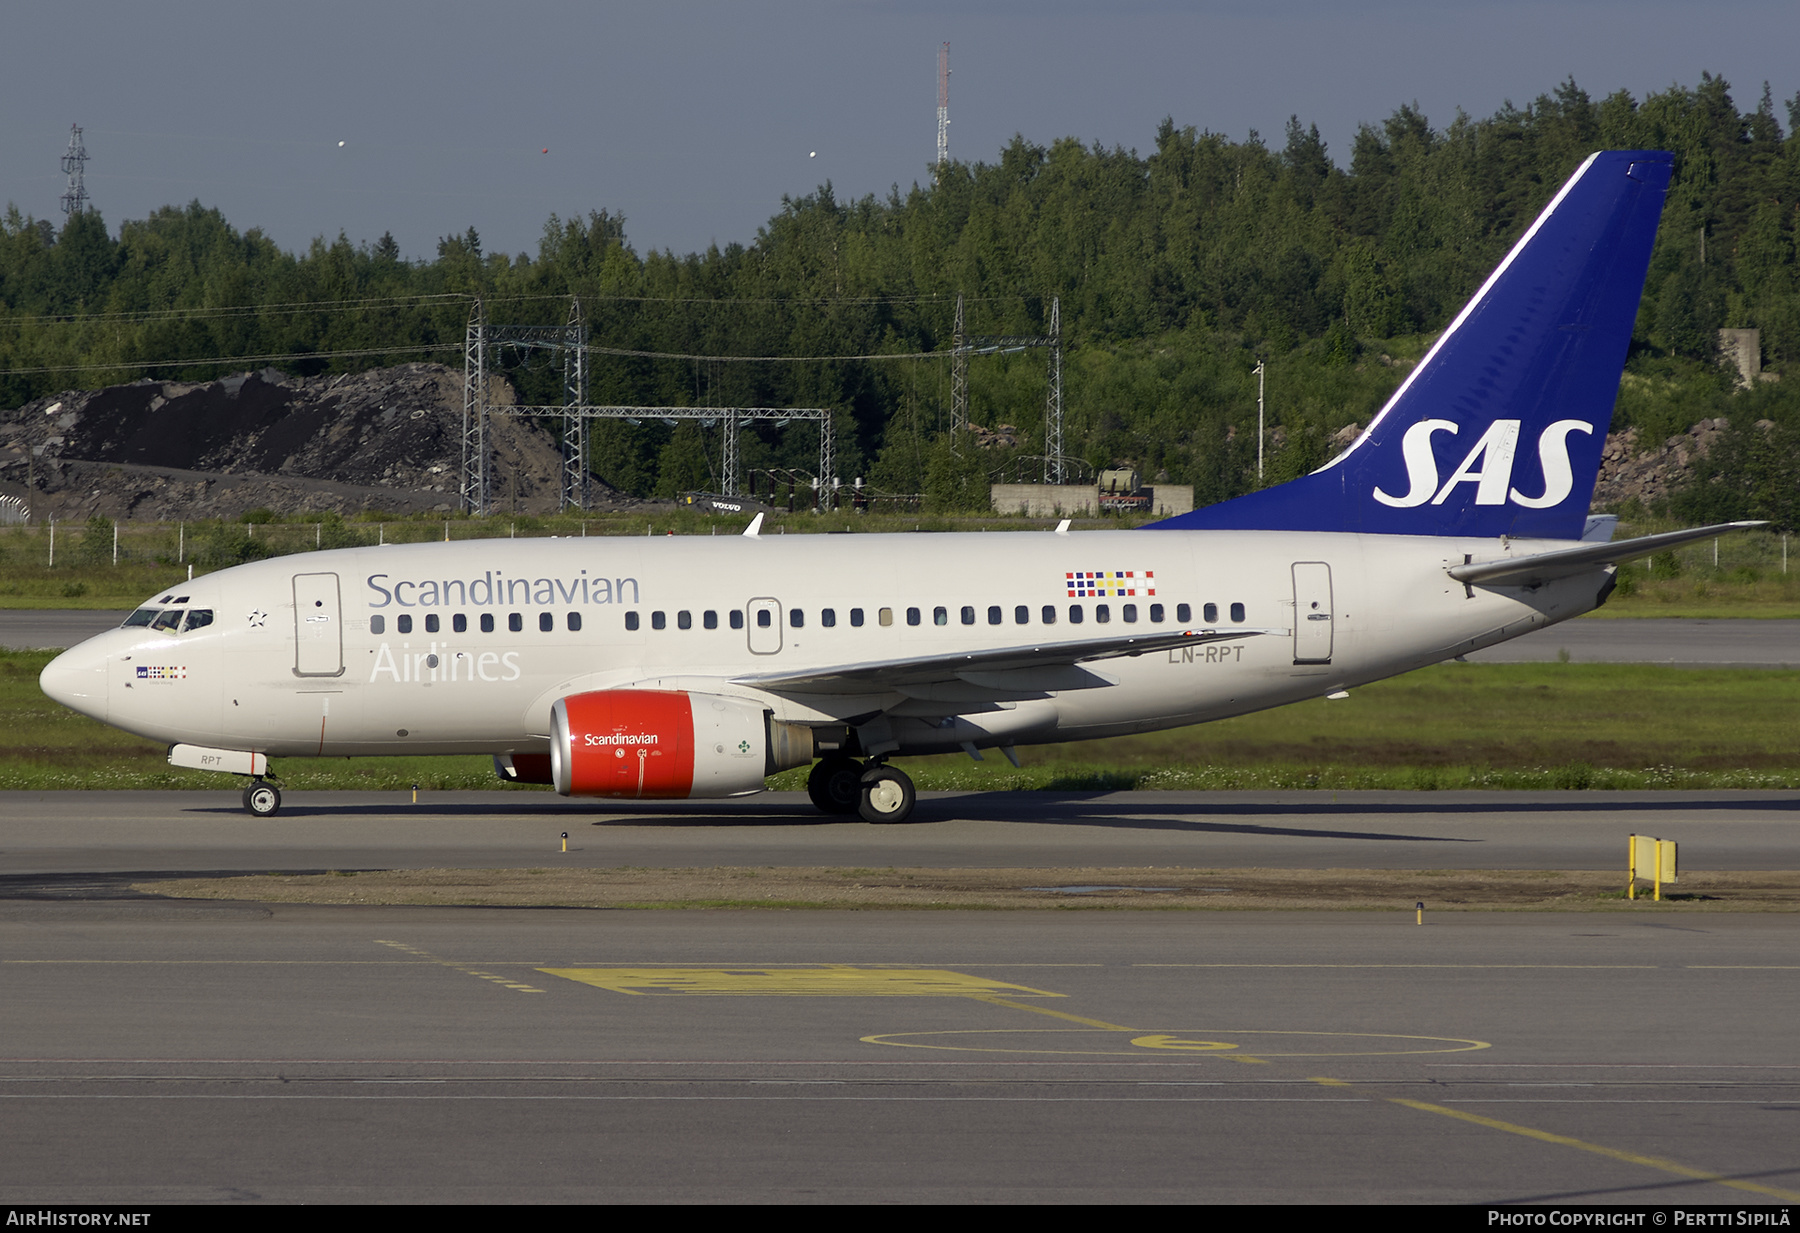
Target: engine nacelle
x=669, y=744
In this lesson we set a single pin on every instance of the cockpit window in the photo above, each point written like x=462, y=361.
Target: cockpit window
x=143, y=616
x=169, y=619
x=198, y=618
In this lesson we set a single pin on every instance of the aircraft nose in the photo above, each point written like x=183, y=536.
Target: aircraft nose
x=77, y=679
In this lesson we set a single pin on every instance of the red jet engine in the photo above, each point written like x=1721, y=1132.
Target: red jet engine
x=648, y=744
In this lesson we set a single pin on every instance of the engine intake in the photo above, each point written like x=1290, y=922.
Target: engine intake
x=647, y=744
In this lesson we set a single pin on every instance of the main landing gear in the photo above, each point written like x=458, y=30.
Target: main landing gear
x=262, y=799
x=841, y=785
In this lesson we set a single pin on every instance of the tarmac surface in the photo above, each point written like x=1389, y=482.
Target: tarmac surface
x=160, y=1050
x=1649, y=640
x=137, y=833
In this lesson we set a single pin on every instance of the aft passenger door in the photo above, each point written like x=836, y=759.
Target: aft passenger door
x=763, y=619
x=1312, y=612
x=318, y=627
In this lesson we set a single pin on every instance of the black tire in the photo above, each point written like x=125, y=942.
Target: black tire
x=262, y=800
x=887, y=795
x=835, y=785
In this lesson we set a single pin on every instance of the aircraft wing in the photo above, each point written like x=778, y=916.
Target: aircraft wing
x=1032, y=668
x=1564, y=562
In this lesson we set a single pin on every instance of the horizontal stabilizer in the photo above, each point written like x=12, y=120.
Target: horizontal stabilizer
x=1545, y=567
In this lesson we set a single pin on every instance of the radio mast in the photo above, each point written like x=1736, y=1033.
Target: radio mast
x=75, y=201
x=943, y=146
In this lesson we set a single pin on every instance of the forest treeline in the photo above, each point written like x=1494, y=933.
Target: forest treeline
x=1176, y=271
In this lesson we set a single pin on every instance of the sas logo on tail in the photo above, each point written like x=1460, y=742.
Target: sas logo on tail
x=1488, y=465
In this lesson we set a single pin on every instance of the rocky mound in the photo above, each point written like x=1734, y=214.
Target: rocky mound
x=387, y=439
x=1648, y=472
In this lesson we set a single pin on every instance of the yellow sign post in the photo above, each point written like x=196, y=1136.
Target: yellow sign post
x=1653, y=860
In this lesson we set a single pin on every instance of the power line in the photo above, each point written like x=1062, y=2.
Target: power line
x=293, y=308
x=765, y=359
x=233, y=359
x=298, y=307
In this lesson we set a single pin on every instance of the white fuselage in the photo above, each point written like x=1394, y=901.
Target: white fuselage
x=330, y=653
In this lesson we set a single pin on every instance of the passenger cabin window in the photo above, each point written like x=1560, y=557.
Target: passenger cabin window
x=684, y=619
x=1210, y=612
x=968, y=615
x=1129, y=612
x=378, y=625
x=460, y=623
x=1184, y=614
x=940, y=616
x=1237, y=612
x=1156, y=614
x=1021, y=615
x=515, y=622
x=574, y=622
x=659, y=620
x=403, y=623
x=631, y=620
x=886, y=616
x=431, y=622
x=1074, y=614
x=763, y=619
x=856, y=617
x=1103, y=613
x=487, y=622
x=828, y=617
x=1049, y=614
x=796, y=618
x=709, y=619
x=737, y=619
x=912, y=616
x=546, y=622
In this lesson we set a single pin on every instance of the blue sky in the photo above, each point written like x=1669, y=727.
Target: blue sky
x=694, y=117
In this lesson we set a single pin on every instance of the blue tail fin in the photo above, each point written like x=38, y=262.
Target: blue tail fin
x=1499, y=429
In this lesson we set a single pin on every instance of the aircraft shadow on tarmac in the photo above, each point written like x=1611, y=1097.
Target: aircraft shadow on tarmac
x=1097, y=810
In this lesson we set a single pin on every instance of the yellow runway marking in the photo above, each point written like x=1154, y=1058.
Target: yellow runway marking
x=1221, y=1044
x=1544, y=1136
x=1453, y=967
x=1175, y=1042
x=831, y=981
x=1060, y=1014
x=505, y=982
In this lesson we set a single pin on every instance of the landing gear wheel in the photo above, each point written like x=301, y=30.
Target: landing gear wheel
x=262, y=800
x=887, y=795
x=835, y=784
